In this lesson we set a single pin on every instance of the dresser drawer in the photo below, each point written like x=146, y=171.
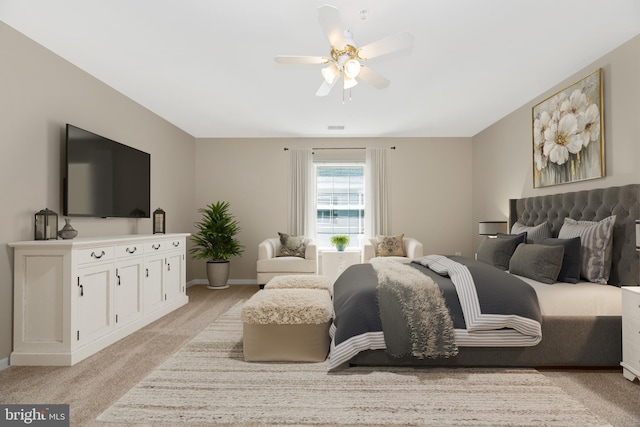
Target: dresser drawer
x=175, y=244
x=631, y=303
x=129, y=250
x=95, y=255
x=157, y=246
x=631, y=330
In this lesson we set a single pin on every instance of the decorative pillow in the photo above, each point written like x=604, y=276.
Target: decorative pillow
x=537, y=262
x=596, y=239
x=535, y=233
x=497, y=252
x=570, y=271
x=291, y=245
x=520, y=238
x=390, y=245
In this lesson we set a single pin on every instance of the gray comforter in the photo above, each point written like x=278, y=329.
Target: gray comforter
x=500, y=296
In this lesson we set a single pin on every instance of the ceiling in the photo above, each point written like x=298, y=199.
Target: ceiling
x=207, y=65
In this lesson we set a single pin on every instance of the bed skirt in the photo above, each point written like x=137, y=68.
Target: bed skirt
x=566, y=341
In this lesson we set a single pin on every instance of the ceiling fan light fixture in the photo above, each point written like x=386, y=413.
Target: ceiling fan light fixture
x=330, y=73
x=349, y=83
x=352, y=68
x=345, y=58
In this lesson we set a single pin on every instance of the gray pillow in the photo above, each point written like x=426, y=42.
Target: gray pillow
x=570, y=271
x=291, y=245
x=537, y=262
x=596, y=240
x=497, y=252
x=535, y=234
x=520, y=238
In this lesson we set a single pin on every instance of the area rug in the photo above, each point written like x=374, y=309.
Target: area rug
x=207, y=382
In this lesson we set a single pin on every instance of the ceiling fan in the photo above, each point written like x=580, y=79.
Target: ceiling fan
x=346, y=58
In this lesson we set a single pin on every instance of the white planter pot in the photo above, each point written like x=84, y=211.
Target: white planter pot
x=218, y=274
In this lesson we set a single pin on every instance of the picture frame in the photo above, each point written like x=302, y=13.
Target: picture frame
x=568, y=134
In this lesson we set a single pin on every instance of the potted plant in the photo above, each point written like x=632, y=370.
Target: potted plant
x=340, y=242
x=215, y=242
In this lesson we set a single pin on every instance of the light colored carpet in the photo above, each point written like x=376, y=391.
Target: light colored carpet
x=207, y=382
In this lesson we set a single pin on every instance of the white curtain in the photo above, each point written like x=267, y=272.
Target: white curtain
x=301, y=218
x=376, y=188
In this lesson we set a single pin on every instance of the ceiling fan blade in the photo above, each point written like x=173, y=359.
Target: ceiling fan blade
x=387, y=45
x=374, y=79
x=331, y=23
x=325, y=87
x=293, y=59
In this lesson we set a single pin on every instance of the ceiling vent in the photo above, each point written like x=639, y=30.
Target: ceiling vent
x=335, y=127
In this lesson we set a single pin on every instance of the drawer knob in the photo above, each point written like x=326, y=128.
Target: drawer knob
x=156, y=247
x=93, y=254
x=132, y=251
x=176, y=244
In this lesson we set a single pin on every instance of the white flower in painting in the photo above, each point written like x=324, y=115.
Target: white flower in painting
x=576, y=103
x=555, y=103
x=539, y=158
x=589, y=124
x=562, y=138
x=540, y=125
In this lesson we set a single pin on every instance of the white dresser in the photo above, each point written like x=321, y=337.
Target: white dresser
x=333, y=263
x=631, y=332
x=73, y=298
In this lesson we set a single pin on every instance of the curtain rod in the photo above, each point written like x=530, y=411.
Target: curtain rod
x=340, y=148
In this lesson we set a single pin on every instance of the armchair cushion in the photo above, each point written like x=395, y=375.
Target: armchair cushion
x=390, y=246
x=413, y=249
x=291, y=246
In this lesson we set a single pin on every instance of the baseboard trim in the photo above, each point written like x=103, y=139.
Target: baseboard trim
x=4, y=363
x=234, y=282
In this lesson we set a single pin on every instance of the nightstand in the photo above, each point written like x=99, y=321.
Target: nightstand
x=631, y=332
x=333, y=263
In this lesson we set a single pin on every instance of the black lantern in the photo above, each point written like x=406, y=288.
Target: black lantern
x=46, y=225
x=159, y=221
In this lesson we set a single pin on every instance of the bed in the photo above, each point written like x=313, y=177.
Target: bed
x=580, y=323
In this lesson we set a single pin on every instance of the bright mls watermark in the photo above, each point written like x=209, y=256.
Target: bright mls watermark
x=34, y=415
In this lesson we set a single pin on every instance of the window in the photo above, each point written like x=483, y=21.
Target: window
x=339, y=202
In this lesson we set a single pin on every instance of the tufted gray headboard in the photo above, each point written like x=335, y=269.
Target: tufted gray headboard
x=591, y=205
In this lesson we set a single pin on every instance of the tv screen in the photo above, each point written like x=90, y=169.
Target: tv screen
x=105, y=178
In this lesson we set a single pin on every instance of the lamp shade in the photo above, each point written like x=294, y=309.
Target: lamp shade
x=351, y=68
x=349, y=83
x=491, y=228
x=330, y=73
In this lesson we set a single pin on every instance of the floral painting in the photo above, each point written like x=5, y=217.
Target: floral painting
x=568, y=132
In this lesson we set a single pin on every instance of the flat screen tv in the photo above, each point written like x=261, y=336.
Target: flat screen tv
x=104, y=178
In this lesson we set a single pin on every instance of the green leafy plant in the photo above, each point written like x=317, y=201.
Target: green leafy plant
x=215, y=239
x=340, y=241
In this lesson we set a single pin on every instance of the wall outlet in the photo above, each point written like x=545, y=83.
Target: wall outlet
x=458, y=253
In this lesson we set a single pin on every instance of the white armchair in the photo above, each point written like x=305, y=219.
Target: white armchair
x=269, y=265
x=412, y=248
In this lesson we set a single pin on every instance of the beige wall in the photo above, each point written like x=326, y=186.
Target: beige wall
x=40, y=93
x=430, y=189
x=502, y=153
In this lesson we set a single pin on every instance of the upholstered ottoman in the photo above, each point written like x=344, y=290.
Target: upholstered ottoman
x=300, y=281
x=287, y=325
